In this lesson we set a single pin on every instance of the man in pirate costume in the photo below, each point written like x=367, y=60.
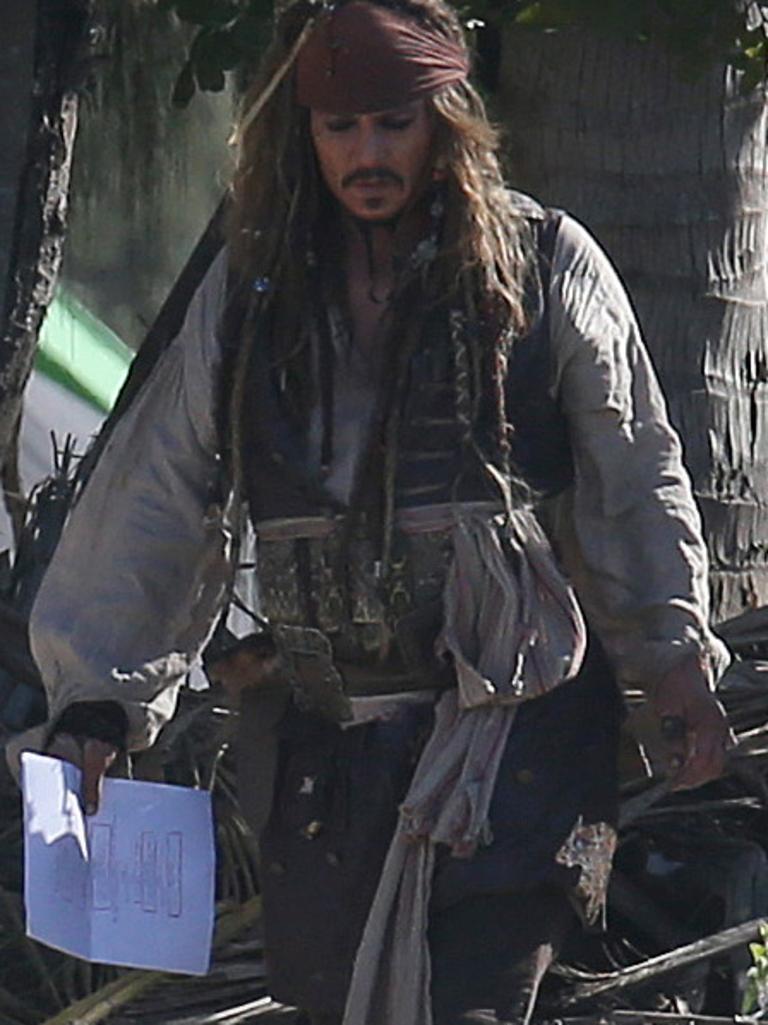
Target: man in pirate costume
x=431, y=398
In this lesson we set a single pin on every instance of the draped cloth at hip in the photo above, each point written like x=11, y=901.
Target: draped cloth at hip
x=514, y=631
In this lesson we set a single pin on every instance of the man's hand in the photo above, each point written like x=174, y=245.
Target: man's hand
x=89, y=734
x=252, y=663
x=694, y=725
x=92, y=757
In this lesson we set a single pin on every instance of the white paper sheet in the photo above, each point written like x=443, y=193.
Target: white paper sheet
x=132, y=885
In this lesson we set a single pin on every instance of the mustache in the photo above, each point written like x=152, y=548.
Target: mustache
x=372, y=174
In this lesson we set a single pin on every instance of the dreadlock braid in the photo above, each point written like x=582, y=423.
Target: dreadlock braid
x=462, y=377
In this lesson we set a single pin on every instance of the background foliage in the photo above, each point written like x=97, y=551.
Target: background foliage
x=232, y=33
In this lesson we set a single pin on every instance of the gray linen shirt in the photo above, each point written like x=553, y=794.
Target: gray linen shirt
x=141, y=572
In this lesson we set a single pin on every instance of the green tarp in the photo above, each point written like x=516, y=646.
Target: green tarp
x=81, y=352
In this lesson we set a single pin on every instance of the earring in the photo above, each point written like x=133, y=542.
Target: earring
x=437, y=210
x=426, y=251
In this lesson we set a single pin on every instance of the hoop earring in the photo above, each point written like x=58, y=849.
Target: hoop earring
x=439, y=171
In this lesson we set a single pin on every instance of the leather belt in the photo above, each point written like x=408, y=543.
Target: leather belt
x=325, y=686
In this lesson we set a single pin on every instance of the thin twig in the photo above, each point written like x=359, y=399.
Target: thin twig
x=266, y=94
x=96, y=1006
x=681, y=957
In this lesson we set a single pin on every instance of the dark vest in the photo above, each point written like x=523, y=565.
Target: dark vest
x=431, y=456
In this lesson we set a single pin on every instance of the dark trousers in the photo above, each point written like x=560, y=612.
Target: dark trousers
x=336, y=804
x=489, y=955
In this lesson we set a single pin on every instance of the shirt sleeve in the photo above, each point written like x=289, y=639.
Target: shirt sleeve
x=141, y=571
x=628, y=531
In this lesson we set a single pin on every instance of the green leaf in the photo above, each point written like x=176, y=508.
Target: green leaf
x=547, y=14
x=483, y=11
x=184, y=89
x=749, y=1000
x=209, y=77
x=699, y=33
x=216, y=50
x=209, y=13
x=251, y=33
x=756, y=52
x=261, y=9
x=530, y=15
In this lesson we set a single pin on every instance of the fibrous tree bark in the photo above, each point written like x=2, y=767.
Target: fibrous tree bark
x=16, y=71
x=147, y=175
x=44, y=49
x=671, y=175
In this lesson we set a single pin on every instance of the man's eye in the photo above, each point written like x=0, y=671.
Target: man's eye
x=342, y=125
x=397, y=124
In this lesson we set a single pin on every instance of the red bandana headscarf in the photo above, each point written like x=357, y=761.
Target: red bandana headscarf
x=361, y=58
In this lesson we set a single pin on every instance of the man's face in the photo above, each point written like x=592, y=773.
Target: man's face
x=374, y=164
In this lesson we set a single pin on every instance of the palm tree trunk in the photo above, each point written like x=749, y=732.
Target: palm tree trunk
x=670, y=174
x=16, y=70
x=41, y=51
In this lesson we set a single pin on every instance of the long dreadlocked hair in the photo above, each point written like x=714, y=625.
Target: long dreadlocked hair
x=280, y=204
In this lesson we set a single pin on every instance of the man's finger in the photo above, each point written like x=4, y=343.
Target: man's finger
x=696, y=774
x=676, y=755
x=92, y=757
x=97, y=758
x=706, y=761
x=687, y=766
